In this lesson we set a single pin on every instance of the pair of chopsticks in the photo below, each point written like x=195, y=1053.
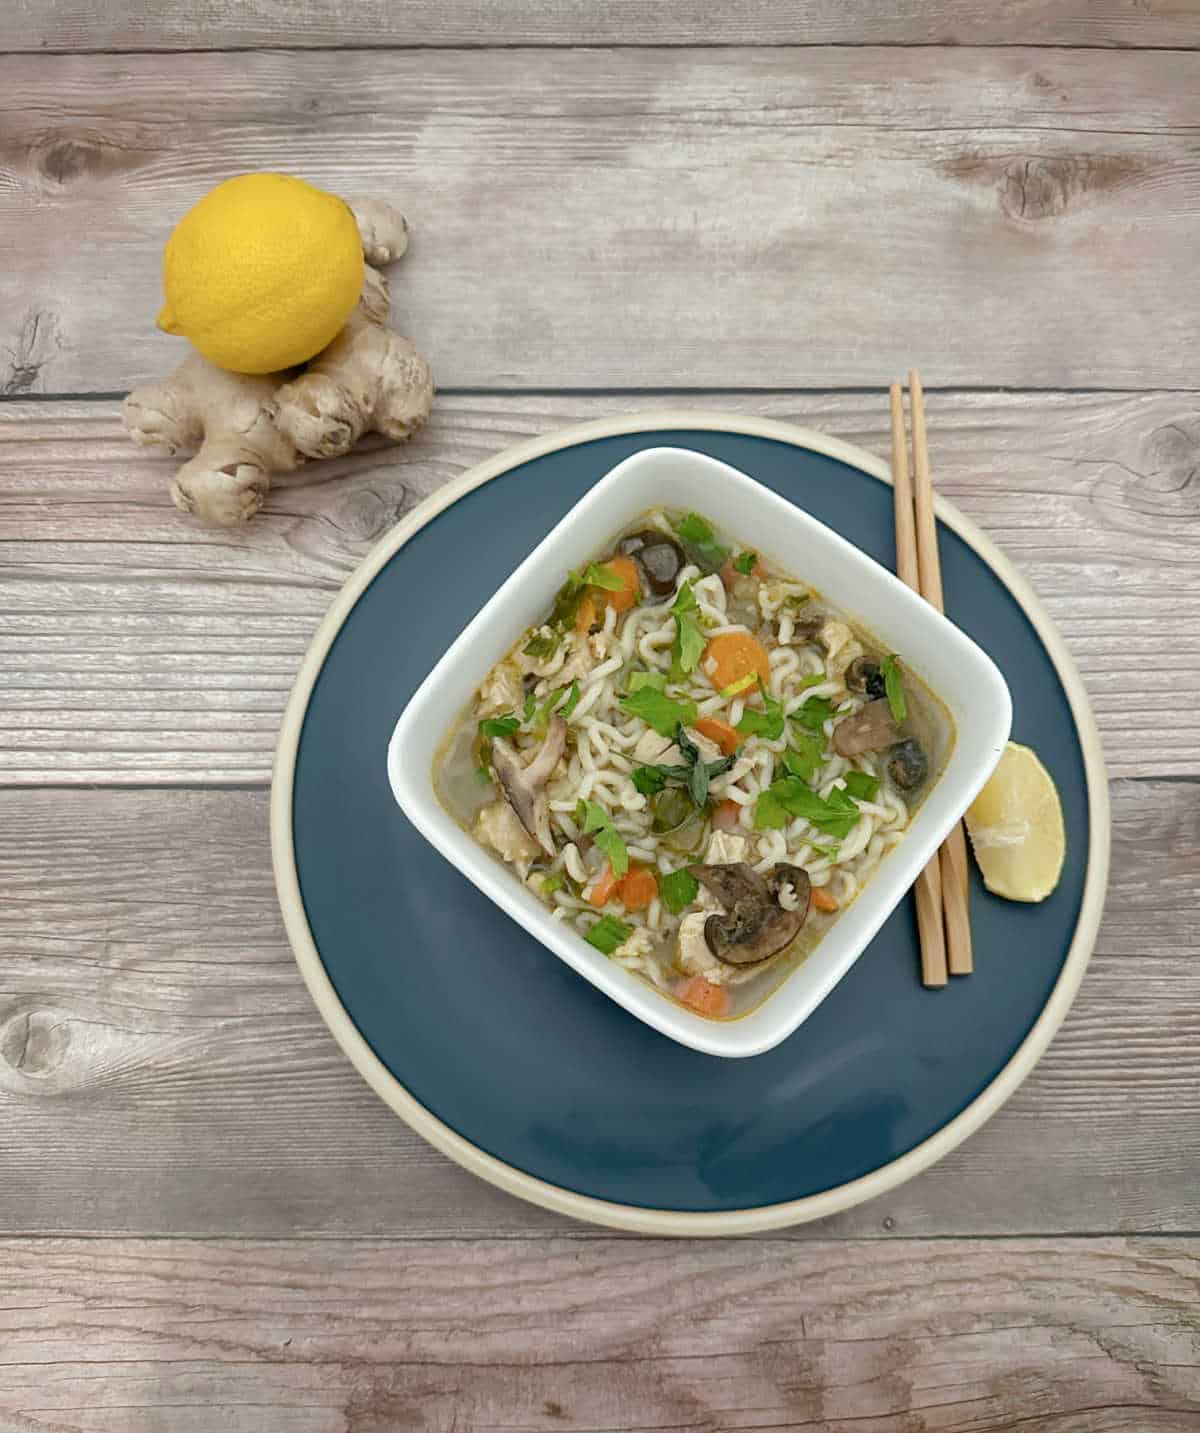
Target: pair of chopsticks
x=943, y=919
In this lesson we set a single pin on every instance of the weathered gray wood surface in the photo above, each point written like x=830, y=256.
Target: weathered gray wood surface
x=163, y=1070
x=814, y=219
x=1078, y=1336
x=139, y=647
x=631, y=217
x=37, y=26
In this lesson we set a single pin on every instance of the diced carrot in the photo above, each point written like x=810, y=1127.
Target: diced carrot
x=637, y=889
x=585, y=616
x=703, y=996
x=721, y=732
x=727, y=815
x=730, y=576
x=822, y=900
x=605, y=887
x=623, y=597
x=730, y=656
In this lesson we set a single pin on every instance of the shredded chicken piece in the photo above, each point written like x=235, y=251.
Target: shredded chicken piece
x=694, y=956
x=502, y=690
x=497, y=826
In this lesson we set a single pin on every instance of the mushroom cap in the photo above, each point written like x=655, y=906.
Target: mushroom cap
x=871, y=728
x=754, y=926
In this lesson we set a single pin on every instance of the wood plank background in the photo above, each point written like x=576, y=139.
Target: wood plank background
x=207, y=1221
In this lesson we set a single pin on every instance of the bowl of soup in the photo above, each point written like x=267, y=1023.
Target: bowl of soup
x=699, y=746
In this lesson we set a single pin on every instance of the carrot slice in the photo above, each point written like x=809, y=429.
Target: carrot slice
x=727, y=815
x=703, y=996
x=721, y=732
x=637, y=889
x=605, y=888
x=730, y=656
x=622, y=598
x=585, y=616
x=822, y=900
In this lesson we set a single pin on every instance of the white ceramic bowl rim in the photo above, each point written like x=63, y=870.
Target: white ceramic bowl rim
x=793, y=540
x=632, y=1217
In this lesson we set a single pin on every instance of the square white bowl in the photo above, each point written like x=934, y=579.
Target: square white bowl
x=950, y=664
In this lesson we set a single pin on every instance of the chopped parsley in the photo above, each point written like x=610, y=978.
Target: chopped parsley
x=805, y=760
x=552, y=881
x=595, y=821
x=790, y=797
x=689, y=640
x=890, y=670
x=700, y=537
x=862, y=786
x=658, y=710
x=767, y=723
x=745, y=563
x=679, y=889
x=608, y=933
x=541, y=645
x=530, y=706
x=599, y=574
x=814, y=713
x=814, y=679
x=638, y=680
x=492, y=727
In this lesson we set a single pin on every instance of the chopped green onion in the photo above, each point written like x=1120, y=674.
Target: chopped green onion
x=743, y=684
x=814, y=679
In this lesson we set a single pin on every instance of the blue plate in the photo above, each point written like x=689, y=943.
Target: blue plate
x=493, y=1047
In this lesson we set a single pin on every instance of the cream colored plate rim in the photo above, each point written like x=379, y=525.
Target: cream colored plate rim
x=551, y=1196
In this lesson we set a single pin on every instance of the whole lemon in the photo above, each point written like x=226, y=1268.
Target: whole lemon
x=262, y=272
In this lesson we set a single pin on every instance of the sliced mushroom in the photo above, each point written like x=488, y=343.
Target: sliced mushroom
x=754, y=926
x=522, y=785
x=864, y=675
x=792, y=887
x=907, y=765
x=871, y=728
x=659, y=557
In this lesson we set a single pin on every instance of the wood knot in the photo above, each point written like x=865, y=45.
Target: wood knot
x=367, y=513
x=34, y=1043
x=67, y=159
x=1161, y=483
x=1035, y=188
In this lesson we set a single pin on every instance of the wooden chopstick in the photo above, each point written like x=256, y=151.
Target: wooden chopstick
x=953, y=854
x=928, y=888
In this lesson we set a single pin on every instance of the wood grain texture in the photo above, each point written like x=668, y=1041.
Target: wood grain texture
x=1065, y=1336
x=75, y=25
x=643, y=217
x=138, y=646
x=163, y=1070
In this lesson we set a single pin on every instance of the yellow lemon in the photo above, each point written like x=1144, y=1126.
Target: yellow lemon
x=262, y=272
x=1016, y=828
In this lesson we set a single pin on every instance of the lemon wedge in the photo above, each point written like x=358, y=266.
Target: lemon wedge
x=1016, y=828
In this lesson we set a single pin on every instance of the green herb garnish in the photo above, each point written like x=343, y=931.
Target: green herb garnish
x=599, y=574
x=689, y=639
x=894, y=687
x=743, y=684
x=492, y=727
x=805, y=760
x=656, y=680
x=814, y=713
x=650, y=780
x=679, y=889
x=700, y=537
x=530, y=706
x=542, y=645
x=745, y=562
x=814, y=679
x=862, y=786
x=658, y=710
x=767, y=723
x=607, y=934
x=595, y=821
x=790, y=797
x=552, y=881
x=829, y=852
x=572, y=699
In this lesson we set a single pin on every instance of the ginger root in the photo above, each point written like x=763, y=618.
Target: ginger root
x=246, y=428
